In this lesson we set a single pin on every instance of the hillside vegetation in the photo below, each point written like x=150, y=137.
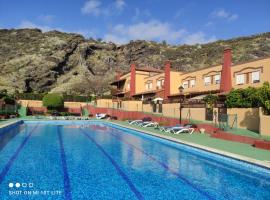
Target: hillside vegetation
x=32, y=61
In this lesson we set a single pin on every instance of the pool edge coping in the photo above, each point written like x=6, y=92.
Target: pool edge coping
x=10, y=123
x=202, y=147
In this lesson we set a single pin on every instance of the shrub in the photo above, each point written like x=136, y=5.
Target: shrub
x=9, y=100
x=53, y=101
x=263, y=95
x=210, y=100
x=250, y=98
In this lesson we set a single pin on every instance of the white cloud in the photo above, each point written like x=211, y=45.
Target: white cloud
x=85, y=32
x=29, y=24
x=224, y=14
x=208, y=24
x=95, y=7
x=141, y=14
x=152, y=30
x=198, y=38
x=46, y=18
x=120, y=4
x=92, y=7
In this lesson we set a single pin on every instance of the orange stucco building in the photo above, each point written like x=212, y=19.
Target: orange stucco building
x=143, y=83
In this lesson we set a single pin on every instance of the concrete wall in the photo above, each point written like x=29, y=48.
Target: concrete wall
x=261, y=65
x=247, y=118
x=30, y=103
x=264, y=124
x=132, y=105
x=37, y=104
x=147, y=108
x=171, y=110
x=104, y=103
x=175, y=82
x=199, y=76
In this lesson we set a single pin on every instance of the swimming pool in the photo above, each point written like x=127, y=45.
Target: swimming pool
x=96, y=160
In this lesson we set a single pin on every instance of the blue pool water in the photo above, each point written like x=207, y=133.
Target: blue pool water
x=94, y=160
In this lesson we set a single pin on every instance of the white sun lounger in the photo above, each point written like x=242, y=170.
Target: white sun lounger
x=149, y=124
x=183, y=130
x=135, y=121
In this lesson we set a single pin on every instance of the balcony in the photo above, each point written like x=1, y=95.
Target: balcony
x=118, y=92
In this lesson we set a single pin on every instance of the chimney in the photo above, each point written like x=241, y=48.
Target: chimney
x=132, y=79
x=167, y=70
x=226, y=80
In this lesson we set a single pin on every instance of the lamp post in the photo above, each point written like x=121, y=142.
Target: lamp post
x=181, y=89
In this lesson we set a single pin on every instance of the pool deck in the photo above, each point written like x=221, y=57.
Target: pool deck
x=239, y=151
x=4, y=123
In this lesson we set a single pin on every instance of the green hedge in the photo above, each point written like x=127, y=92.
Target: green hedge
x=250, y=97
x=53, y=101
x=39, y=96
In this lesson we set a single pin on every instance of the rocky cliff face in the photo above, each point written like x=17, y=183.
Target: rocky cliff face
x=32, y=61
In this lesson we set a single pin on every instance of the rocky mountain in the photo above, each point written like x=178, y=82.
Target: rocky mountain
x=33, y=61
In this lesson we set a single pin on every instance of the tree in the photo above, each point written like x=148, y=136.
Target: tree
x=53, y=101
x=242, y=98
x=210, y=100
x=263, y=95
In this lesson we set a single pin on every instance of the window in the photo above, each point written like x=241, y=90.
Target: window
x=162, y=82
x=207, y=80
x=240, y=79
x=158, y=84
x=217, y=79
x=192, y=83
x=185, y=84
x=255, y=77
x=148, y=85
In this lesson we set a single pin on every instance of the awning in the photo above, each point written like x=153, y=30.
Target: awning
x=200, y=97
x=157, y=99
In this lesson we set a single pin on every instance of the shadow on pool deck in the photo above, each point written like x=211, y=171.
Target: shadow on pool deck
x=205, y=140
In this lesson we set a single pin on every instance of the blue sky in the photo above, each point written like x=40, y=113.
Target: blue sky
x=176, y=21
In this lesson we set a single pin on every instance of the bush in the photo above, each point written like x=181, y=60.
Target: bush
x=30, y=96
x=9, y=100
x=250, y=98
x=53, y=101
x=210, y=100
x=76, y=98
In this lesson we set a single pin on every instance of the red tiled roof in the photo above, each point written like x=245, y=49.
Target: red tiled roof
x=117, y=81
x=149, y=69
x=196, y=92
x=148, y=92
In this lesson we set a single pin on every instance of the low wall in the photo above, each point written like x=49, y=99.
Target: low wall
x=38, y=104
x=132, y=105
x=247, y=118
x=172, y=110
x=30, y=103
x=265, y=125
x=104, y=103
x=124, y=115
x=147, y=108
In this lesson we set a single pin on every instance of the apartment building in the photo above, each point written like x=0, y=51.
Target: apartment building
x=150, y=83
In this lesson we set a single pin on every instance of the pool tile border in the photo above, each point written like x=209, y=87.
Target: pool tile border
x=66, y=179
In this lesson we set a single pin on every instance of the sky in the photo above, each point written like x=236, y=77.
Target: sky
x=119, y=21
